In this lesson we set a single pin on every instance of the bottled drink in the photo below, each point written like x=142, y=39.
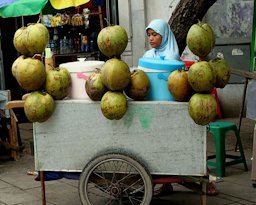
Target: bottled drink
x=61, y=46
x=84, y=44
x=91, y=46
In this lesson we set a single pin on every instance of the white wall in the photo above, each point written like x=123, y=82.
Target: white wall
x=132, y=17
x=159, y=9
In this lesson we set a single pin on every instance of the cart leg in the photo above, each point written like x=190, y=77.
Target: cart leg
x=42, y=187
x=203, y=195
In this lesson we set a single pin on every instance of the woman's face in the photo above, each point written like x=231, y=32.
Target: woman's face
x=154, y=38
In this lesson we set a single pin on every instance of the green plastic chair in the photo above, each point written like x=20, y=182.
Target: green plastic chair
x=219, y=131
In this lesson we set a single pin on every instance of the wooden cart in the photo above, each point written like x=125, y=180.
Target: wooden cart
x=121, y=159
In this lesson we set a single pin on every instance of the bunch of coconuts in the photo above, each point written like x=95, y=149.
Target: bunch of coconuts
x=114, y=82
x=30, y=73
x=202, y=77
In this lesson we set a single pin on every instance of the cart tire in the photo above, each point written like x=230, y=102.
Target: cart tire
x=115, y=179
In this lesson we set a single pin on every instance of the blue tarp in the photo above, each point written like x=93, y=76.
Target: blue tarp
x=6, y=2
x=51, y=175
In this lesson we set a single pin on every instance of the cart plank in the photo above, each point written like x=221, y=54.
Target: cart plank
x=161, y=135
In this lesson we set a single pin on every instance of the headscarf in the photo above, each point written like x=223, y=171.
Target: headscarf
x=168, y=48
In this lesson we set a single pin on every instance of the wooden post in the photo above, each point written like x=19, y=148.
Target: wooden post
x=204, y=190
x=42, y=187
x=14, y=136
x=100, y=16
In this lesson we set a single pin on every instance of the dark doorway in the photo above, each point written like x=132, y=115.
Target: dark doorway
x=8, y=27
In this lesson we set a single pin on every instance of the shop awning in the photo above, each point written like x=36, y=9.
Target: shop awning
x=16, y=8
x=62, y=4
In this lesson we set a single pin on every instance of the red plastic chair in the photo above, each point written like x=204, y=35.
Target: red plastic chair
x=215, y=94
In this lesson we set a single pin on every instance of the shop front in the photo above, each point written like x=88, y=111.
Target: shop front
x=73, y=34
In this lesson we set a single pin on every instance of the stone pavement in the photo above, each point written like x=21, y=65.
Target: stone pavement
x=19, y=188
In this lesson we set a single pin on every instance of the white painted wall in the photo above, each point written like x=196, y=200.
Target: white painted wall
x=159, y=9
x=132, y=18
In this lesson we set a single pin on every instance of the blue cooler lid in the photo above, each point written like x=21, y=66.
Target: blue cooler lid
x=161, y=64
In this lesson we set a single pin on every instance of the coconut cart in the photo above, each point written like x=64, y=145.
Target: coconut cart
x=119, y=161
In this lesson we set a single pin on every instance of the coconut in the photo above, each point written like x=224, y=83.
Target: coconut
x=112, y=40
x=15, y=65
x=222, y=71
x=200, y=39
x=201, y=77
x=202, y=108
x=58, y=83
x=179, y=86
x=36, y=39
x=115, y=74
x=30, y=74
x=139, y=85
x=19, y=41
x=38, y=106
x=209, y=29
x=113, y=105
x=94, y=86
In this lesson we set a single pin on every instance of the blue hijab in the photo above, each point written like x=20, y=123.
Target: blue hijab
x=168, y=48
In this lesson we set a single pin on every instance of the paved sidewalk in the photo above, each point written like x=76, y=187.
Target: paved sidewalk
x=19, y=188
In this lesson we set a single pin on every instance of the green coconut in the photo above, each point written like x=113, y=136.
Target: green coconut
x=201, y=77
x=202, y=108
x=222, y=71
x=200, y=39
x=112, y=40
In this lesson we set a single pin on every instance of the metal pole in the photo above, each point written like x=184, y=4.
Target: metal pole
x=22, y=21
x=108, y=10
x=114, y=13
x=242, y=109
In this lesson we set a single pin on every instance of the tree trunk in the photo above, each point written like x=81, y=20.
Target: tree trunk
x=187, y=13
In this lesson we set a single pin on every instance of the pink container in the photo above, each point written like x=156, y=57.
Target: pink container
x=78, y=71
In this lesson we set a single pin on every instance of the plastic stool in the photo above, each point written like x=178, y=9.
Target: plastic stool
x=219, y=130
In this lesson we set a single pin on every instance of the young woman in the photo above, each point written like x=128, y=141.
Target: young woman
x=162, y=41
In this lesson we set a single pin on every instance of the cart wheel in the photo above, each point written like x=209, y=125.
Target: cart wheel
x=115, y=179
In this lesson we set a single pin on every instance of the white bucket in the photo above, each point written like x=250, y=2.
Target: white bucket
x=77, y=70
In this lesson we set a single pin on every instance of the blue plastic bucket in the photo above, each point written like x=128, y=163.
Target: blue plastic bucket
x=158, y=71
